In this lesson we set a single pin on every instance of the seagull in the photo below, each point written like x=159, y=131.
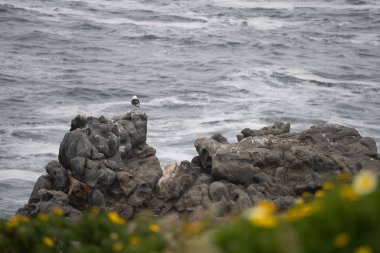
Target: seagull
x=135, y=101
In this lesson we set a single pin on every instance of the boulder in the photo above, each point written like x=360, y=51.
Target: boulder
x=59, y=176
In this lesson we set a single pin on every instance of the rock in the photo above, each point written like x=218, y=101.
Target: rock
x=283, y=203
x=277, y=128
x=219, y=138
x=195, y=197
x=56, y=199
x=239, y=197
x=77, y=144
x=146, y=172
x=43, y=182
x=217, y=191
x=135, y=125
x=281, y=161
x=126, y=183
x=79, y=121
x=96, y=198
x=177, y=180
x=59, y=176
x=50, y=199
x=254, y=194
x=102, y=134
x=105, y=179
x=108, y=164
x=104, y=163
x=78, y=193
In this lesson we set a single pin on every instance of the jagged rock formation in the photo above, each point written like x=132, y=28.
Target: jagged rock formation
x=107, y=164
x=102, y=163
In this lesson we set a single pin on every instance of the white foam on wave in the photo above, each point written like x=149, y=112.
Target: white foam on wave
x=110, y=20
x=120, y=21
x=22, y=175
x=168, y=100
x=308, y=76
x=254, y=4
x=302, y=74
x=266, y=23
x=27, y=147
x=290, y=5
x=123, y=5
x=53, y=12
x=94, y=109
x=371, y=39
x=259, y=23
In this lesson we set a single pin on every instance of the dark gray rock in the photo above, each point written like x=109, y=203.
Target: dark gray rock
x=103, y=163
x=79, y=121
x=277, y=128
x=96, y=199
x=102, y=134
x=283, y=203
x=217, y=191
x=219, y=138
x=108, y=164
x=195, y=197
x=77, y=144
x=43, y=182
x=59, y=176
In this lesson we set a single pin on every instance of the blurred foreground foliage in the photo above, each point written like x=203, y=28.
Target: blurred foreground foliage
x=343, y=217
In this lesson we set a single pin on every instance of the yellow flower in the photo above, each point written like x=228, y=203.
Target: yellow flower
x=57, y=211
x=42, y=217
x=364, y=249
x=115, y=218
x=341, y=240
x=301, y=211
x=346, y=192
x=48, y=241
x=305, y=194
x=134, y=240
x=154, y=228
x=299, y=202
x=16, y=220
x=364, y=182
x=319, y=194
x=263, y=214
x=117, y=246
x=343, y=176
x=327, y=186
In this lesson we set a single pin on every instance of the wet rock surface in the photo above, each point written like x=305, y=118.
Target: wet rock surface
x=107, y=164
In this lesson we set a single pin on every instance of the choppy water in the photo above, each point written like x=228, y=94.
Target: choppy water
x=199, y=67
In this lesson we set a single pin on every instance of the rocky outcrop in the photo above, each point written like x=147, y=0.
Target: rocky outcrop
x=107, y=164
x=102, y=163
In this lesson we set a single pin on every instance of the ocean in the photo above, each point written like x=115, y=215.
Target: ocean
x=199, y=67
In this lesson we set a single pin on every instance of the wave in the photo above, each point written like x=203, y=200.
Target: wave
x=287, y=5
x=18, y=175
x=27, y=135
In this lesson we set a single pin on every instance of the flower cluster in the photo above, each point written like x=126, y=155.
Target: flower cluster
x=342, y=217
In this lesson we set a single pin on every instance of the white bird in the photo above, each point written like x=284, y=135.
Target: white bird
x=135, y=101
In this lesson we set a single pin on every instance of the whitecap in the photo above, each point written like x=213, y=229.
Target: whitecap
x=22, y=175
x=265, y=23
